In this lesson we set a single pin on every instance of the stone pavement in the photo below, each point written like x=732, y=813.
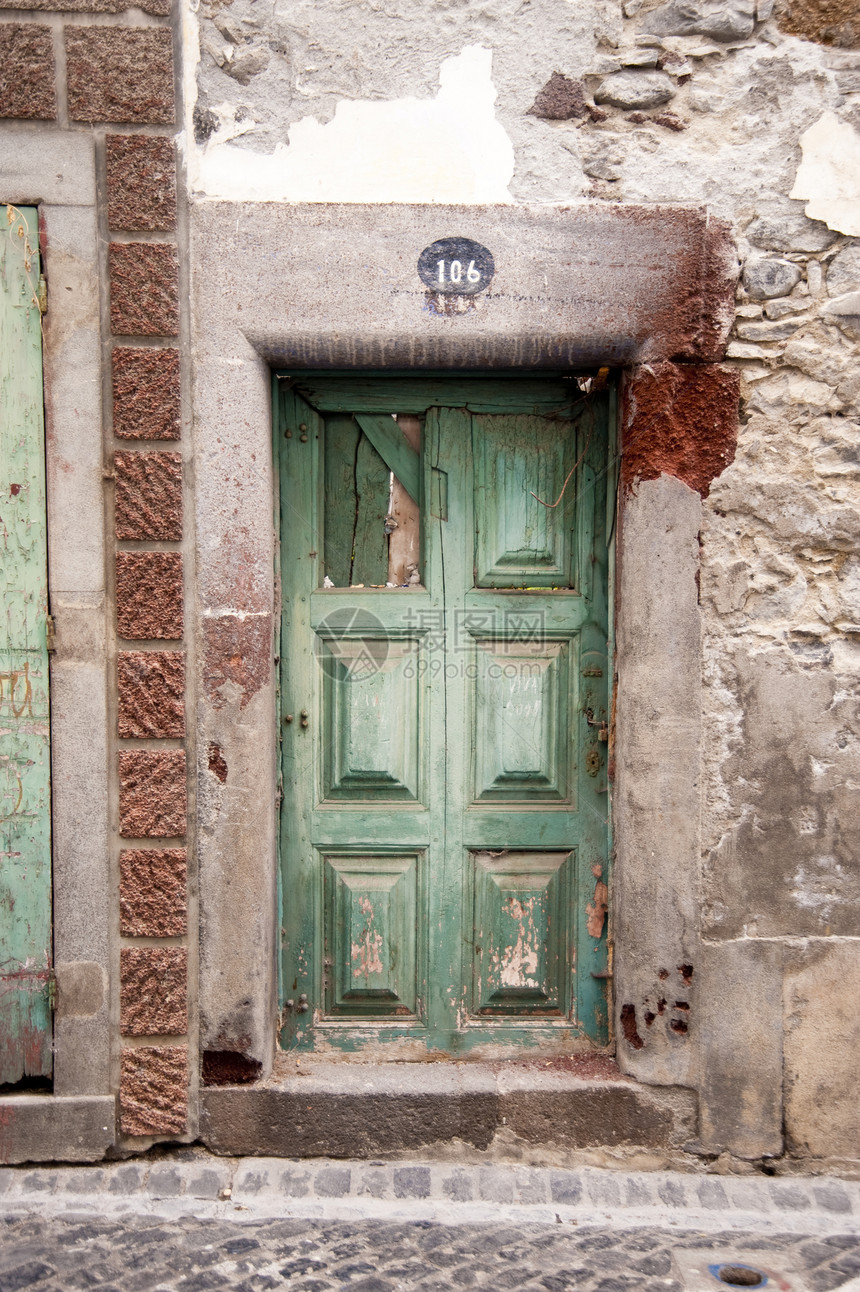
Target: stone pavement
x=186, y=1221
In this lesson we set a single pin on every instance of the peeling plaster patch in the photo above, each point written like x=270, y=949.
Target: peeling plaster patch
x=447, y=149
x=829, y=175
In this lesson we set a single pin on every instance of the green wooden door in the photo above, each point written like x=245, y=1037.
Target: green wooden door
x=444, y=817
x=25, y=777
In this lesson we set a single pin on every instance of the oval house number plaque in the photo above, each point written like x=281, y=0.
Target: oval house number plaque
x=456, y=267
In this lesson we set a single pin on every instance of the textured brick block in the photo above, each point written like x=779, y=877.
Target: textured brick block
x=146, y=388
x=149, y=595
x=148, y=499
x=152, y=893
x=153, y=1092
x=153, y=997
x=27, y=71
x=152, y=799
x=151, y=687
x=141, y=182
x=144, y=289
x=122, y=74
x=158, y=8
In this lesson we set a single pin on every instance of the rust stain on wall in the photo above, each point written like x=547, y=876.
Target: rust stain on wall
x=629, y=1028
x=237, y=654
x=681, y=420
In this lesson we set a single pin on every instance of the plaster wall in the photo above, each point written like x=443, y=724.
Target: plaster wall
x=736, y=737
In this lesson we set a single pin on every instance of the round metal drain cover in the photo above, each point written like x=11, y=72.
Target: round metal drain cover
x=739, y=1276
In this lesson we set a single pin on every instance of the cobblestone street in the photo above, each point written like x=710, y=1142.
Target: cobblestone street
x=191, y=1222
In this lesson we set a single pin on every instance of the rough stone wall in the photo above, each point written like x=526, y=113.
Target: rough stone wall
x=754, y=113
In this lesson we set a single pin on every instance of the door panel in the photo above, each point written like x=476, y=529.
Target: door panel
x=445, y=807
x=25, y=771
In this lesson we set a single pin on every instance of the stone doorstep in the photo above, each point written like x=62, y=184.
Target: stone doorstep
x=359, y=1111
x=46, y=1128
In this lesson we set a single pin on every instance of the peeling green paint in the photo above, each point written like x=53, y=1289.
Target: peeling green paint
x=26, y=979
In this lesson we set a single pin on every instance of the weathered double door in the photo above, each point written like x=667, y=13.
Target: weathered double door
x=444, y=793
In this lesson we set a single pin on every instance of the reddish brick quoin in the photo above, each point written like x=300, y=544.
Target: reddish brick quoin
x=148, y=500
x=151, y=687
x=146, y=402
x=152, y=797
x=141, y=182
x=144, y=289
x=152, y=892
x=27, y=72
x=121, y=74
x=153, y=1093
x=149, y=595
x=153, y=1000
x=681, y=420
x=158, y=8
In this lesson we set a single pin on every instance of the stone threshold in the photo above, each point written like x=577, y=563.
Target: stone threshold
x=339, y=1109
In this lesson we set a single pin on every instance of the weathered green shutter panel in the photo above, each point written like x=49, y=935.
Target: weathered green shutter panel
x=25, y=784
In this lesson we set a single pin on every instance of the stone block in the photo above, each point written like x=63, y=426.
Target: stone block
x=158, y=8
x=821, y=1047
x=410, y=1182
x=739, y=1011
x=148, y=498
x=561, y=99
x=27, y=72
x=631, y=89
x=65, y=166
x=144, y=289
x=152, y=793
x=141, y=182
x=146, y=394
x=766, y=277
x=151, y=694
x=729, y=21
x=153, y=1095
x=149, y=595
x=153, y=992
x=121, y=74
x=680, y=421
x=152, y=893
x=49, y=1129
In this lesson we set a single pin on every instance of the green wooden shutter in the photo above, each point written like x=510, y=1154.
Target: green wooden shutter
x=25, y=763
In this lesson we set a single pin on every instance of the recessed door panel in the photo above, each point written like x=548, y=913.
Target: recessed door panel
x=521, y=932
x=372, y=937
x=521, y=718
x=372, y=719
x=522, y=530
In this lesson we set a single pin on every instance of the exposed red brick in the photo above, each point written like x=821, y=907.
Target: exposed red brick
x=141, y=182
x=152, y=798
x=146, y=390
x=122, y=74
x=149, y=595
x=681, y=420
x=236, y=651
x=148, y=500
x=144, y=289
x=153, y=1092
x=151, y=686
x=152, y=892
x=27, y=71
x=153, y=997
x=158, y=8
